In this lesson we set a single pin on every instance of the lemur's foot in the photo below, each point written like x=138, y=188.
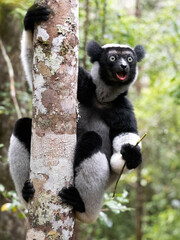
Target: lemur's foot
x=132, y=155
x=28, y=191
x=71, y=197
x=35, y=14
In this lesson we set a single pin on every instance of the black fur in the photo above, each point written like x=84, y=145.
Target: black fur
x=71, y=196
x=132, y=155
x=140, y=52
x=34, y=15
x=86, y=88
x=28, y=191
x=94, y=50
x=87, y=145
x=22, y=130
x=120, y=117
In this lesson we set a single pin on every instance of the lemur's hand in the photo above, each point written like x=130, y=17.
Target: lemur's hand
x=132, y=155
x=28, y=191
x=129, y=155
x=35, y=14
x=86, y=87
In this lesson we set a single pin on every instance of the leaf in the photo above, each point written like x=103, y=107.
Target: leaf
x=2, y=188
x=105, y=219
x=5, y=207
x=20, y=215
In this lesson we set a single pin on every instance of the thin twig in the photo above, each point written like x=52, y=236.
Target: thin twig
x=114, y=192
x=141, y=139
x=11, y=78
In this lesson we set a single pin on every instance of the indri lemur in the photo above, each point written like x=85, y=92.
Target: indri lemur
x=107, y=129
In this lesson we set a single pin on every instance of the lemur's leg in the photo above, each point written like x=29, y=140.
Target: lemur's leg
x=34, y=14
x=91, y=170
x=19, y=158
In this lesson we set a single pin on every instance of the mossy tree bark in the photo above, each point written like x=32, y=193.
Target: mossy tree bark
x=54, y=120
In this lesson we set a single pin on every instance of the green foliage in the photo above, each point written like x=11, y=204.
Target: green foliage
x=115, y=205
x=6, y=106
x=175, y=88
x=13, y=203
x=16, y=3
x=15, y=7
x=111, y=207
x=164, y=225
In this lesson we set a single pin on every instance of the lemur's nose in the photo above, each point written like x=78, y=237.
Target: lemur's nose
x=124, y=65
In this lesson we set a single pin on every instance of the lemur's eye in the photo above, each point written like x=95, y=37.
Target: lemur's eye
x=130, y=59
x=112, y=58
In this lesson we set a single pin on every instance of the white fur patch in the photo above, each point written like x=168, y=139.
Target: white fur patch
x=110, y=45
x=91, y=181
x=27, y=55
x=135, y=78
x=117, y=162
x=18, y=158
x=123, y=61
x=125, y=138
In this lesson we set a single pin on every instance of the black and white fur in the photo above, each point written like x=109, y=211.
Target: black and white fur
x=107, y=129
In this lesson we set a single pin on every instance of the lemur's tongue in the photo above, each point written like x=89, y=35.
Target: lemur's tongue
x=121, y=76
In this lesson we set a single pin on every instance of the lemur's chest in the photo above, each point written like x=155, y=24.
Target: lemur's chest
x=91, y=118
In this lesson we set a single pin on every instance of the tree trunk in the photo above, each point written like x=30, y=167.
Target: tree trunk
x=139, y=205
x=104, y=19
x=138, y=11
x=54, y=120
x=86, y=30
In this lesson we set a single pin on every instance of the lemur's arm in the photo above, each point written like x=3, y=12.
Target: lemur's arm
x=124, y=136
x=33, y=15
x=86, y=88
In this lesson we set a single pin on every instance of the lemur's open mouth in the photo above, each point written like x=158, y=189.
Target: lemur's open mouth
x=122, y=75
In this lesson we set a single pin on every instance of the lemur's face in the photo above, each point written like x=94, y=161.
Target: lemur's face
x=118, y=65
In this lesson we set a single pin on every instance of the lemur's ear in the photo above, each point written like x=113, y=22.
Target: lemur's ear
x=140, y=52
x=94, y=50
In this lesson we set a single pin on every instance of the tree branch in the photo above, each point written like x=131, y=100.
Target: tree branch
x=11, y=78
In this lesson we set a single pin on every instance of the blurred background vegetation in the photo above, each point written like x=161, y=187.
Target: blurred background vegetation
x=148, y=204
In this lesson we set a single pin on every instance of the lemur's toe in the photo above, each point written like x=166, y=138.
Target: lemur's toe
x=72, y=197
x=28, y=190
